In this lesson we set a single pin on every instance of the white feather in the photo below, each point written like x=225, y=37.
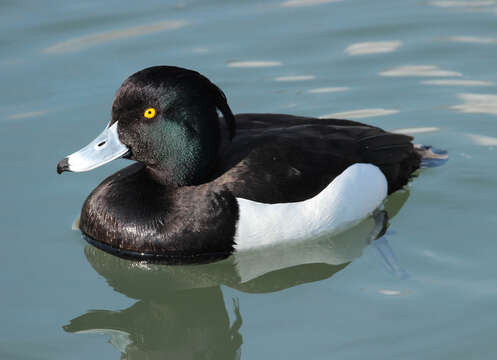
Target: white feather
x=348, y=199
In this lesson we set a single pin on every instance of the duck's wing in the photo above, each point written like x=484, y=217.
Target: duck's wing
x=277, y=158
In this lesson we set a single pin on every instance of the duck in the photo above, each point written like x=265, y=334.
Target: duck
x=205, y=183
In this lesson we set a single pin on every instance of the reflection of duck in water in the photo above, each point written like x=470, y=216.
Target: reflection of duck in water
x=187, y=324
x=181, y=312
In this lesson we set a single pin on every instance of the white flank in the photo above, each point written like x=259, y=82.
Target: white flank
x=253, y=64
x=419, y=70
x=349, y=198
x=87, y=41
x=373, y=47
x=359, y=114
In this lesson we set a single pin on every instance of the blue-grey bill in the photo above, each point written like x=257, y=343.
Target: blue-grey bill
x=105, y=148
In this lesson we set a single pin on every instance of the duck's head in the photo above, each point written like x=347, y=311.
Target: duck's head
x=166, y=118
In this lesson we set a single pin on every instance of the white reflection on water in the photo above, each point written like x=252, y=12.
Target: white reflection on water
x=363, y=113
x=118, y=338
x=200, y=50
x=298, y=3
x=6, y=62
x=373, y=47
x=441, y=257
x=26, y=115
x=391, y=292
x=295, y=78
x=472, y=39
x=328, y=90
x=87, y=41
x=413, y=131
x=456, y=82
x=464, y=3
x=253, y=64
x=419, y=70
x=482, y=140
x=477, y=104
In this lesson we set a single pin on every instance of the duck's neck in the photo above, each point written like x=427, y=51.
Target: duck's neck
x=187, y=169
x=169, y=177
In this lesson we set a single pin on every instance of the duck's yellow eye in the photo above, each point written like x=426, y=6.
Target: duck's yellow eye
x=149, y=113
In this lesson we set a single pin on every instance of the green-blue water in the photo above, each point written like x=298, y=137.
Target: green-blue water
x=427, y=290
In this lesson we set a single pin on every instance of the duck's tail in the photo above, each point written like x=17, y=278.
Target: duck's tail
x=430, y=156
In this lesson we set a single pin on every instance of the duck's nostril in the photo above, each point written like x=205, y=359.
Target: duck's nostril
x=101, y=144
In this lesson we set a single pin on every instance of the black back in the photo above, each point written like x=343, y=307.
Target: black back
x=279, y=158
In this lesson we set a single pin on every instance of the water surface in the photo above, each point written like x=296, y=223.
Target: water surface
x=426, y=290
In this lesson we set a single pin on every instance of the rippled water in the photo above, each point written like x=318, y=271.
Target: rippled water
x=426, y=290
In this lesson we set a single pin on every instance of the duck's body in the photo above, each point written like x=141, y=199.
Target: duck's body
x=279, y=178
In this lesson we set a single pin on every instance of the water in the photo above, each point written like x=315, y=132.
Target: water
x=424, y=291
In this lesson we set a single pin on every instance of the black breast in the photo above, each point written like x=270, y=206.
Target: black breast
x=132, y=216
